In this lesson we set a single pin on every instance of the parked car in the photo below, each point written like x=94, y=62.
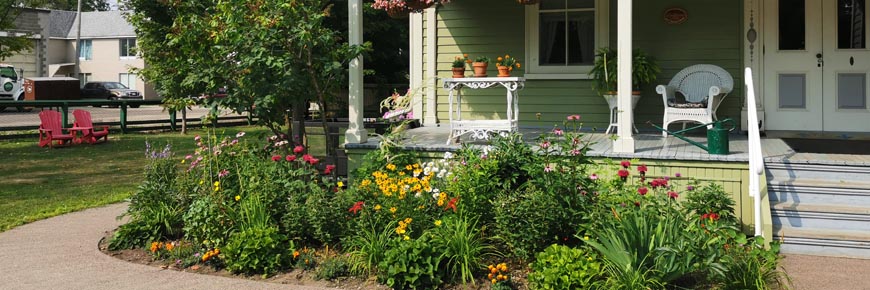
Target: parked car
x=110, y=91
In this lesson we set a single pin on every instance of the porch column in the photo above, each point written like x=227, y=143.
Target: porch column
x=431, y=79
x=416, y=73
x=625, y=142
x=355, y=132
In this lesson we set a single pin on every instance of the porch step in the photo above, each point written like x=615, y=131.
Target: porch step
x=821, y=209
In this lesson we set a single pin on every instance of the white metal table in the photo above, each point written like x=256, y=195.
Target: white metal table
x=481, y=129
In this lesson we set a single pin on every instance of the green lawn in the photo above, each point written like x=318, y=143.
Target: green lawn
x=37, y=183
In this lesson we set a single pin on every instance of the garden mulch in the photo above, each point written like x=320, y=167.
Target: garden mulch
x=63, y=253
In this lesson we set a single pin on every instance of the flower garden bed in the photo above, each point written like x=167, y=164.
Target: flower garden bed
x=504, y=216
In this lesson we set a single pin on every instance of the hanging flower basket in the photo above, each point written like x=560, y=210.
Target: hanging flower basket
x=398, y=12
x=528, y=2
x=401, y=8
x=419, y=4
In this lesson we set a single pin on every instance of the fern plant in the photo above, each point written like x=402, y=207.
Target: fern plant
x=644, y=70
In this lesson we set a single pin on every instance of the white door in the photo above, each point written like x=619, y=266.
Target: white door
x=847, y=66
x=816, y=65
x=792, y=71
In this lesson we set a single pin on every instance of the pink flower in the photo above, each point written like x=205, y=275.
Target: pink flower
x=690, y=187
x=593, y=176
x=625, y=164
x=558, y=132
x=548, y=168
x=575, y=152
x=196, y=138
x=642, y=190
x=545, y=145
x=573, y=118
x=678, y=174
x=223, y=173
x=329, y=169
x=623, y=173
x=290, y=158
x=673, y=194
x=310, y=159
x=642, y=169
x=298, y=149
x=188, y=156
x=276, y=158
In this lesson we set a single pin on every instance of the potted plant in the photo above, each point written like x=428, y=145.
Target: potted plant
x=459, y=66
x=506, y=65
x=644, y=70
x=401, y=8
x=480, y=64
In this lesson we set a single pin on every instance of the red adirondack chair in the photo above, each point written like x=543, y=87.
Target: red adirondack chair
x=90, y=135
x=51, y=130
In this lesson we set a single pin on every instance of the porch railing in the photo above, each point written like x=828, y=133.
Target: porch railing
x=756, y=158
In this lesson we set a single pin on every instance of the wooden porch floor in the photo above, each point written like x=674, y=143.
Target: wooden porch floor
x=648, y=146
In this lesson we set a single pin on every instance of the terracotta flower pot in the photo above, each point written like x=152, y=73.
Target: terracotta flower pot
x=504, y=71
x=458, y=72
x=480, y=69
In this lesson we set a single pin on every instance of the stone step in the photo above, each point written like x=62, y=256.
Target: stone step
x=819, y=191
x=831, y=173
x=835, y=243
x=820, y=216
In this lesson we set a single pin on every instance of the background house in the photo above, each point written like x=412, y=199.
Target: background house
x=108, y=49
x=36, y=23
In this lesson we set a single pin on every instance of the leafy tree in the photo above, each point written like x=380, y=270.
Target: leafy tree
x=11, y=45
x=281, y=54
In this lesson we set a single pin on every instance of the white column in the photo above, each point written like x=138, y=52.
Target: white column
x=431, y=73
x=355, y=132
x=752, y=56
x=416, y=67
x=625, y=142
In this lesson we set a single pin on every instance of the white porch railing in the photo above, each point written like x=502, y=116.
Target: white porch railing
x=756, y=158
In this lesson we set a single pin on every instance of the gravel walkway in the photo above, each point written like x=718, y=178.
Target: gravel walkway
x=61, y=253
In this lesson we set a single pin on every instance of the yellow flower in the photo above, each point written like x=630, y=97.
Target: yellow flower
x=500, y=59
x=586, y=238
x=494, y=281
x=393, y=209
x=437, y=223
x=238, y=198
x=507, y=56
x=182, y=161
x=518, y=65
x=391, y=167
x=589, y=259
x=377, y=207
x=409, y=167
x=407, y=238
x=340, y=184
x=201, y=182
x=217, y=188
x=217, y=183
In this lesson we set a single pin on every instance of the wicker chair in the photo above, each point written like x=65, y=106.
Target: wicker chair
x=694, y=94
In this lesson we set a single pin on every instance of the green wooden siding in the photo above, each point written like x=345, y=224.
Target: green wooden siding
x=732, y=176
x=712, y=35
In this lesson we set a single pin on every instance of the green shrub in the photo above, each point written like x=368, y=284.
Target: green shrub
x=368, y=244
x=256, y=250
x=563, y=267
x=207, y=222
x=333, y=267
x=523, y=221
x=752, y=266
x=313, y=216
x=461, y=245
x=158, y=223
x=411, y=264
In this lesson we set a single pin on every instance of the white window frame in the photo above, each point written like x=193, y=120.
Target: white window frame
x=128, y=83
x=120, y=52
x=535, y=71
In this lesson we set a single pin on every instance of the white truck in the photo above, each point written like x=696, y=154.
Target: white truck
x=12, y=81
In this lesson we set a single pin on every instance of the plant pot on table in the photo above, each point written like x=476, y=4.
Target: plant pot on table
x=458, y=72
x=480, y=69
x=504, y=71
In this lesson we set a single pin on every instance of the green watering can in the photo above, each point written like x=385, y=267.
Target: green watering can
x=717, y=137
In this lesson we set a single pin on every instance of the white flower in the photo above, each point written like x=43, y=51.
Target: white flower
x=448, y=155
x=281, y=143
x=240, y=134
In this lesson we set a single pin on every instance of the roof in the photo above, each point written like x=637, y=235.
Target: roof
x=96, y=24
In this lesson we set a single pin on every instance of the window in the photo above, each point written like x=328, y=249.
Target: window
x=562, y=36
x=83, y=78
x=86, y=52
x=128, y=80
x=128, y=47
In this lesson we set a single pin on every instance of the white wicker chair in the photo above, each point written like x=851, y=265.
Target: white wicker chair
x=704, y=86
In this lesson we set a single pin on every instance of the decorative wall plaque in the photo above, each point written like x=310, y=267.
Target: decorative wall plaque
x=675, y=15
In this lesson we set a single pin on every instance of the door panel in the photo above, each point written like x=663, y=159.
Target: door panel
x=847, y=65
x=793, y=73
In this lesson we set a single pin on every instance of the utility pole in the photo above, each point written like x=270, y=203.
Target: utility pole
x=78, y=70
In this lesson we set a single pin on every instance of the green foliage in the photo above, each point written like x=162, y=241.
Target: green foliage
x=313, y=216
x=752, y=266
x=333, y=267
x=462, y=247
x=711, y=198
x=9, y=46
x=207, y=223
x=368, y=244
x=523, y=221
x=157, y=223
x=563, y=267
x=411, y=264
x=256, y=250
x=644, y=69
x=482, y=59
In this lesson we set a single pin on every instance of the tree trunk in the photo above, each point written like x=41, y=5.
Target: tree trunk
x=184, y=121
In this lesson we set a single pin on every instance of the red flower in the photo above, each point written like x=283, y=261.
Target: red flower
x=329, y=169
x=658, y=182
x=642, y=190
x=358, y=206
x=636, y=203
x=623, y=173
x=452, y=204
x=310, y=159
x=276, y=158
x=641, y=169
x=625, y=164
x=673, y=194
x=290, y=158
x=298, y=149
